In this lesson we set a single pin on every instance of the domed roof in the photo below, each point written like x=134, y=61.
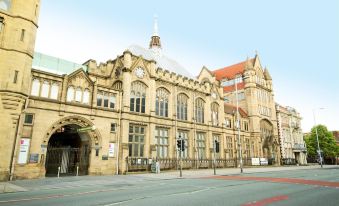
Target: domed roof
x=161, y=60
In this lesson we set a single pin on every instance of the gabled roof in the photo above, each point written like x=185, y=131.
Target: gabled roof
x=231, y=109
x=230, y=72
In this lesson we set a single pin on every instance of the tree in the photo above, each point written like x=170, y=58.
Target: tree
x=327, y=143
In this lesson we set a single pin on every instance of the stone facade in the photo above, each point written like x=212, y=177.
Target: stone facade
x=293, y=147
x=118, y=116
x=18, y=26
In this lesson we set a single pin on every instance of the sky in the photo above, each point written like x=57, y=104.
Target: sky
x=298, y=41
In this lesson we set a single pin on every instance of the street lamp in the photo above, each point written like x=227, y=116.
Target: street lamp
x=316, y=132
x=238, y=120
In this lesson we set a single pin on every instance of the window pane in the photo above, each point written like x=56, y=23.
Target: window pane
x=131, y=105
x=137, y=104
x=141, y=150
x=78, y=94
x=45, y=89
x=35, y=87
x=70, y=94
x=54, y=91
x=29, y=119
x=143, y=105
x=99, y=100
x=85, y=98
x=112, y=102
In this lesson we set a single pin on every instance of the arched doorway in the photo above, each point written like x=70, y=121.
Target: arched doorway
x=68, y=152
x=267, y=139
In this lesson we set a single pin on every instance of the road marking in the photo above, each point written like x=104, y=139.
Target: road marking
x=67, y=195
x=267, y=201
x=280, y=180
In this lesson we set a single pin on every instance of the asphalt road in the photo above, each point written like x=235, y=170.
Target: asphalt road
x=292, y=187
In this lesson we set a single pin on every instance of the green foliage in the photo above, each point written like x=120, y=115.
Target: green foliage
x=326, y=142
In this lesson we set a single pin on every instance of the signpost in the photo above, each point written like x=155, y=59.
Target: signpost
x=85, y=129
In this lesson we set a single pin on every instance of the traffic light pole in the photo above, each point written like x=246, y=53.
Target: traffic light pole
x=180, y=161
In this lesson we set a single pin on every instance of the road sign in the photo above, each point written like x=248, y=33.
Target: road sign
x=85, y=129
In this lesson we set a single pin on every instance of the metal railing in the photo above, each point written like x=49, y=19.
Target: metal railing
x=144, y=164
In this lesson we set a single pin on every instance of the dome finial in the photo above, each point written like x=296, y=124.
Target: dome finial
x=155, y=26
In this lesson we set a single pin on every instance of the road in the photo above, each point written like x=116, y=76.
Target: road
x=310, y=186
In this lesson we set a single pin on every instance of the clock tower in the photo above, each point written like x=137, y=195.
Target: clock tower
x=18, y=26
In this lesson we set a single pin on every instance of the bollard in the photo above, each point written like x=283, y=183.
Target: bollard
x=77, y=170
x=58, y=172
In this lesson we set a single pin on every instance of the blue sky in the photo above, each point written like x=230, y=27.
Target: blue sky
x=297, y=40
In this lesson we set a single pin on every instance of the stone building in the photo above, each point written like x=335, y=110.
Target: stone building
x=18, y=26
x=251, y=84
x=122, y=115
x=292, y=144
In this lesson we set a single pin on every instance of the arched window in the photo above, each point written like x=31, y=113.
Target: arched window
x=35, y=87
x=161, y=102
x=45, y=89
x=182, y=107
x=214, y=113
x=138, y=97
x=85, y=98
x=54, y=91
x=199, y=110
x=78, y=94
x=70, y=94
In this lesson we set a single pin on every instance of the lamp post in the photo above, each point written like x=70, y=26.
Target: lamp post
x=238, y=120
x=316, y=132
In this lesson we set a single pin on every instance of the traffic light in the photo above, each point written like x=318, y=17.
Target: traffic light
x=217, y=146
x=179, y=144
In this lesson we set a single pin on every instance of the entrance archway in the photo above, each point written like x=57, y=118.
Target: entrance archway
x=68, y=152
x=68, y=149
x=267, y=139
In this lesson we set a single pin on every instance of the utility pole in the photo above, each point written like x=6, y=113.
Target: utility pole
x=214, y=148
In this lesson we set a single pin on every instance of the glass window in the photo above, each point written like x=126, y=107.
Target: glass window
x=45, y=89
x=22, y=37
x=182, y=107
x=28, y=119
x=70, y=94
x=106, y=100
x=113, y=127
x=85, y=98
x=199, y=110
x=112, y=101
x=78, y=94
x=228, y=123
x=229, y=147
x=161, y=102
x=214, y=113
x=35, y=87
x=54, y=91
x=16, y=73
x=201, y=146
x=99, y=99
x=1, y=23
x=184, y=136
x=138, y=97
x=5, y=4
x=136, y=141
x=161, y=141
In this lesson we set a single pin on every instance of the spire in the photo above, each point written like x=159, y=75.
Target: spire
x=155, y=26
x=155, y=43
